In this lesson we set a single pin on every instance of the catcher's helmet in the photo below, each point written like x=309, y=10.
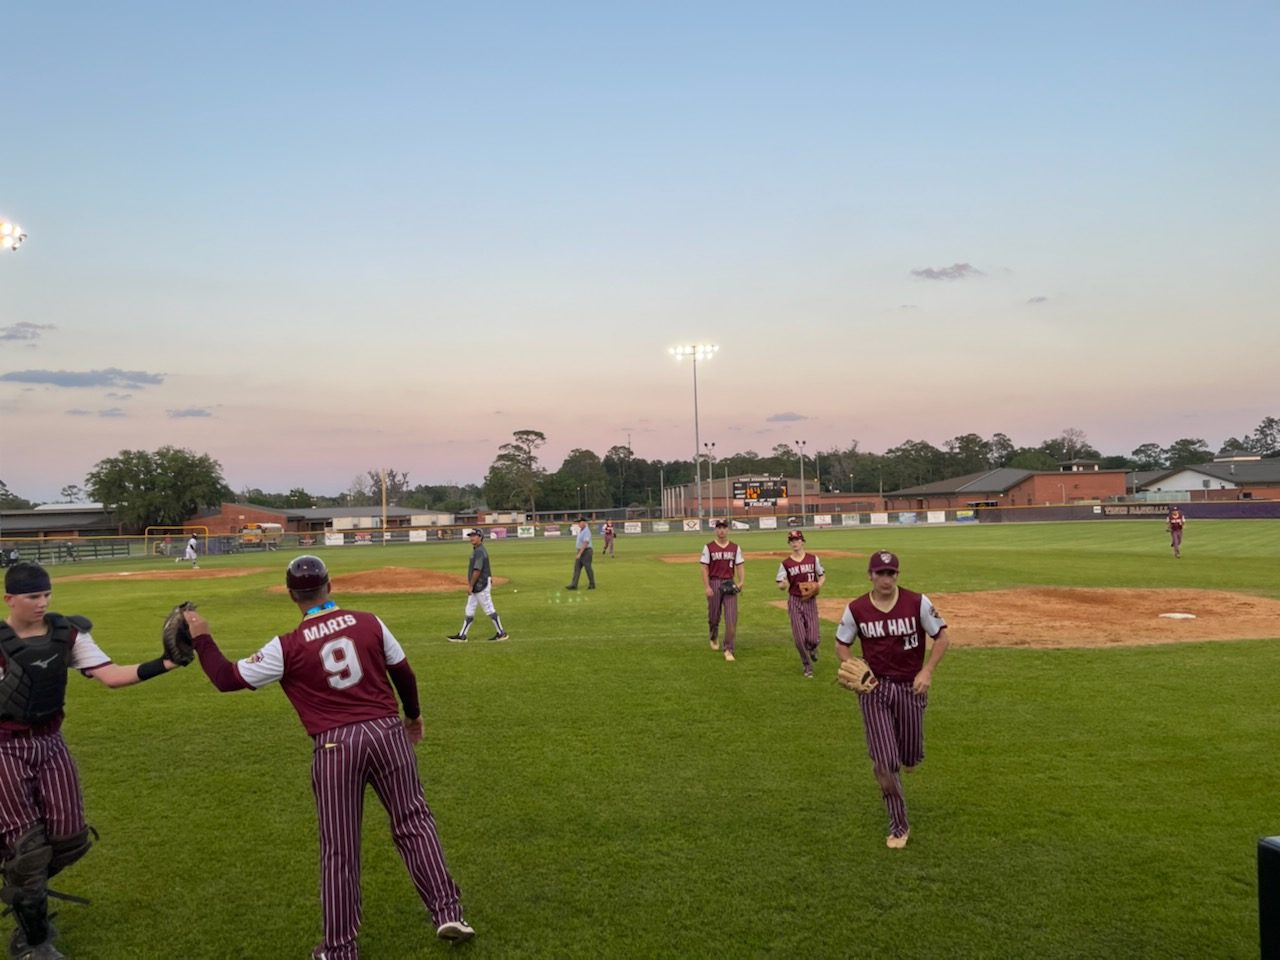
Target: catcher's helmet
x=306, y=573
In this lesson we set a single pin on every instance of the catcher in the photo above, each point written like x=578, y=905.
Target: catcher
x=893, y=682
x=802, y=576
x=42, y=822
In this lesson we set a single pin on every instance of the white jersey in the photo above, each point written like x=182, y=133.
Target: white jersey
x=86, y=654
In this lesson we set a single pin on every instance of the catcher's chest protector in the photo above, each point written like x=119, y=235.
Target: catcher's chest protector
x=33, y=687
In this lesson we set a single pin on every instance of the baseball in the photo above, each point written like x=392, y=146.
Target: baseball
x=515, y=590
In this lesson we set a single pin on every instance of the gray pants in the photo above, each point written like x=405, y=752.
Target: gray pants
x=583, y=563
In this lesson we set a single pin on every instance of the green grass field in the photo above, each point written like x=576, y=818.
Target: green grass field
x=606, y=786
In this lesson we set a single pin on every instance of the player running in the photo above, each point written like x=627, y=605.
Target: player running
x=892, y=624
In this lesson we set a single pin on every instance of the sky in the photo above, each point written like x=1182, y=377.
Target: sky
x=314, y=239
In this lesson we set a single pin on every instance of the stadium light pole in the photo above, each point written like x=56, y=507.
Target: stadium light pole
x=695, y=352
x=800, y=444
x=711, y=475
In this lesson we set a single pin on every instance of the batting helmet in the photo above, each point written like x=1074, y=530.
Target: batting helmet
x=306, y=573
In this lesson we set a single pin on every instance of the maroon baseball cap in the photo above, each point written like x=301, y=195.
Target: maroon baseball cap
x=794, y=535
x=882, y=560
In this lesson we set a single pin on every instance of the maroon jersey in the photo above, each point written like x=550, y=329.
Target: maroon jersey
x=720, y=560
x=893, y=642
x=805, y=570
x=1176, y=520
x=332, y=667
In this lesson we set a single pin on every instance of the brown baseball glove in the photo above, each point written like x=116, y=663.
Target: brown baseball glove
x=808, y=589
x=177, y=635
x=856, y=675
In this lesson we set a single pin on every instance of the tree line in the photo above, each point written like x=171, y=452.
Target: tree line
x=517, y=479
x=170, y=485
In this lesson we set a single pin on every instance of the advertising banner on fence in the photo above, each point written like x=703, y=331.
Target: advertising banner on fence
x=661, y=526
x=966, y=516
x=879, y=519
x=692, y=525
x=768, y=523
x=551, y=530
x=417, y=536
x=937, y=516
x=849, y=520
x=333, y=539
x=498, y=533
x=526, y=531
x=908, y=517
x=631, y=526
x=822, y=519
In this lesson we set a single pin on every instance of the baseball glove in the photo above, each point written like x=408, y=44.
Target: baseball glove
x=856, y=675
x=808, y=589
x=728, y=588
x=177, y=635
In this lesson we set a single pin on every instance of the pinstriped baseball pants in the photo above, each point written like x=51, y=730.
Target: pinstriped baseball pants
x=39, y=784
x=893, y=717
x=717, y=604
x=377, y=753
x=804, y=626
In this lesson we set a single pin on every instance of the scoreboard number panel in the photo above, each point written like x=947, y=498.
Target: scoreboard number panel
x=762, y=492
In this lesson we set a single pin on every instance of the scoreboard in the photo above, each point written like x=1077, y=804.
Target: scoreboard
x=759, y=492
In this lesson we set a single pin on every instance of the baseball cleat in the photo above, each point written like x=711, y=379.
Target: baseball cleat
x=456, y=638
x=895, y=842
x=715, y=644
x=455, y=931
x=728, y=655
x=500, y=636
x=571, y=587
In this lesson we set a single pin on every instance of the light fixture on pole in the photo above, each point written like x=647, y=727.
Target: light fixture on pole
x=695, y=352
x=800, y=444
x=710, y=448
x=11, y=235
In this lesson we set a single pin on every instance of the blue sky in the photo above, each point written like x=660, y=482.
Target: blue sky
x=310, y=239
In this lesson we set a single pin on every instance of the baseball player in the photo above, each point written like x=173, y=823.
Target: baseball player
x=893, y=624
x=479, y=581
x=42, y=823
x=191, y=553
x=797, y=568
x=582, y=559
x=1175, y=522
x=722, y=565
x=607, y=530
x=341, y=670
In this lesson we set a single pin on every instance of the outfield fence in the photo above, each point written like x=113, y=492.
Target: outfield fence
x=154, y=546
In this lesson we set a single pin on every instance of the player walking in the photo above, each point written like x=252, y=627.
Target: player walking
x=191, y=553
x=1175, y=523
x=802, y=567
x=582, y=559
x=479, y=581
x=608, y=538
x=338, y=668
x=892, y=624
x=722, y=578
x=42, y=824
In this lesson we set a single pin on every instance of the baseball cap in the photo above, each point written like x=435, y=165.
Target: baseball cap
x=795, y=535
x=722, y=523
x=473, y=532
x=882, y=560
